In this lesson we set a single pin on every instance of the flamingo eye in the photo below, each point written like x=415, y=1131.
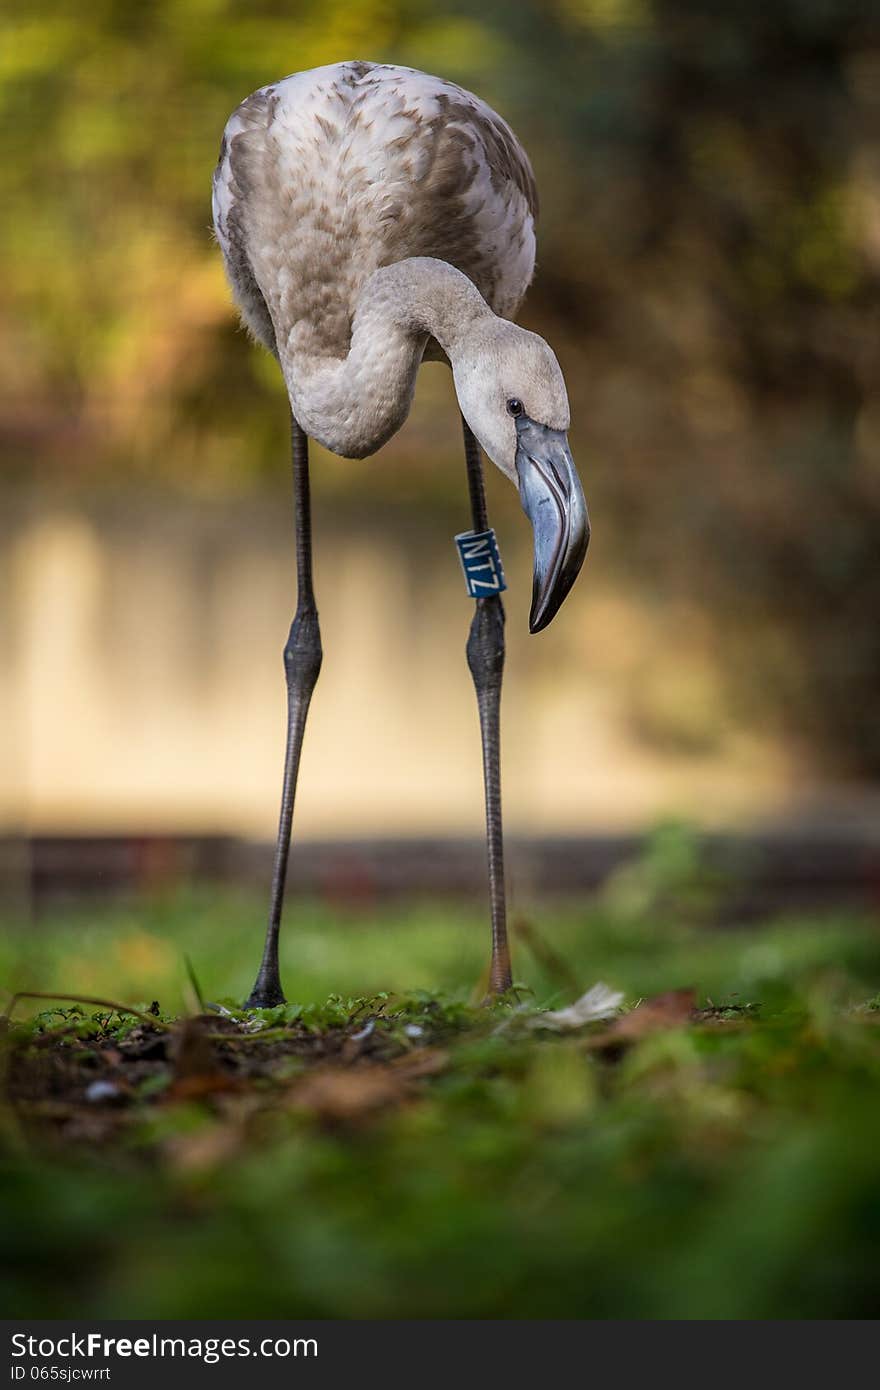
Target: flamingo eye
x=515, y=406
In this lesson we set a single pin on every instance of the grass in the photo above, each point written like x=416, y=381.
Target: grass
x=379, y=1150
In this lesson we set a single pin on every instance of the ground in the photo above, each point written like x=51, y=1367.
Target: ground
x=398, y=1149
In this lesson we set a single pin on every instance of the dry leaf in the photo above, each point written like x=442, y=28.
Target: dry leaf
x=198, y=1087
x=205, y=1149
x=349, y=1095
x=667, y=1010
x=427, y=1061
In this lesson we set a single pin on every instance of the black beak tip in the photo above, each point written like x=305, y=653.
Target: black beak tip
x=538, y=621
x=545, y=605
x=543, y=615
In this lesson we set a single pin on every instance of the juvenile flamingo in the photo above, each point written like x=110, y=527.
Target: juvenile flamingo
x=371, y=217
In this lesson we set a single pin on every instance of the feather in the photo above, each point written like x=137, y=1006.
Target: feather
x=330, y=174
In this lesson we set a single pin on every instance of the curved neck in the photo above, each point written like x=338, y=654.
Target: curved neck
x=353, y=404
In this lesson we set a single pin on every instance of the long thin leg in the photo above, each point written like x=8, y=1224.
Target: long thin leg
x=485, y=655
x=302, y=663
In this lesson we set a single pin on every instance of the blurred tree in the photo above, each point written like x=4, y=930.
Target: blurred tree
x=709, y=266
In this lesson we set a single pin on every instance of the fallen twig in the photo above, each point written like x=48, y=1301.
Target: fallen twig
x=110, y=1004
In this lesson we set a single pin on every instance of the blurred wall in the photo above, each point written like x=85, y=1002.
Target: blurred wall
x=143, y=686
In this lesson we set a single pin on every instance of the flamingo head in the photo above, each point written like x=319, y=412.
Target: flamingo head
x=512, y=395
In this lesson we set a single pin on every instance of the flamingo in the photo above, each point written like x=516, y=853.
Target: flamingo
x=371, y=217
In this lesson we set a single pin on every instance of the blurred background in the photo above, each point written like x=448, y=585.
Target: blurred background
x=708, y=273
x=693, y=745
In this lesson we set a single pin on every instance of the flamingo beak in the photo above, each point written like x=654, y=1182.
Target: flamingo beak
x=553, y=500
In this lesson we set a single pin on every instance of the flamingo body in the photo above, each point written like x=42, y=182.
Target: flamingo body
x=328, y=175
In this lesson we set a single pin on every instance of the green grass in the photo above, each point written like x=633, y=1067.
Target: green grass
x=725, y=1167
x=139, y=952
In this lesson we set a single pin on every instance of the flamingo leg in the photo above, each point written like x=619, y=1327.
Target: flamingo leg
x=302, y=663
x=485, y=656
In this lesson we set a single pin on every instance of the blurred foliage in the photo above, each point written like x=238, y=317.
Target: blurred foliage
x=709, y=259
x=719, y=1167
x=670, y=877
x=644, y=942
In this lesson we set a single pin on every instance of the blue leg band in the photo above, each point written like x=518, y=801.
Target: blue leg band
x=481, y=562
